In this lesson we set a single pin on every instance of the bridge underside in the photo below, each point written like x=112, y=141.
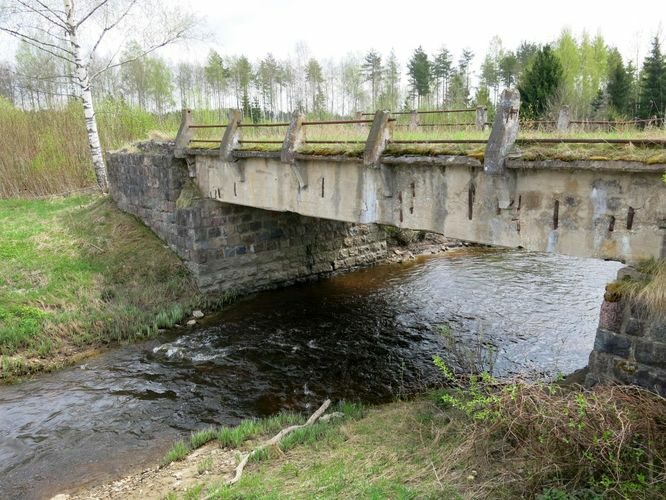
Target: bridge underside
x=602, y=209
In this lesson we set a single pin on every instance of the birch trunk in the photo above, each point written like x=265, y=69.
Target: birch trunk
x=82, y=81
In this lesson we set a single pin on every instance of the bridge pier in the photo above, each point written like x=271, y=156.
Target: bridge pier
x=630, y=344
x=230, y=247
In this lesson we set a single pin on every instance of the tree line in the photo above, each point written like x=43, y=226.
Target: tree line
x=586, y=74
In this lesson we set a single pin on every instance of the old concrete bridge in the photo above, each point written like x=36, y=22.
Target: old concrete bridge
x=609, y=210
x=246, y=221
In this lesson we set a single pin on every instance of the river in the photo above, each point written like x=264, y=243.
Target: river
x=365, y=336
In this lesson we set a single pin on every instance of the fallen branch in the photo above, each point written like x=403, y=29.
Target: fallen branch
x=275, y=440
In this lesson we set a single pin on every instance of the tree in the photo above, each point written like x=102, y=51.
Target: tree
x=619, y=85
x=216, y=75
x=540, y=82
x=464, y=66
x=372, y=72
x=509, y=66
x=241, y=76
x=315, y=79
x=441, y=72
x=267, y=75
x=352, y=83
x=490, y=75
x=7, y=84
x=653, y=83
x=419, y=72
x=390, y=96
x=74, y=34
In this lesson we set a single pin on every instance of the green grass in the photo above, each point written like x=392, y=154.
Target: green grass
x=177, y=452
x=76, y=272
x=384, y=452
x=234, y=437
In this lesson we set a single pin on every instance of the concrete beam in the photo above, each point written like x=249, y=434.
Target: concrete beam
x=185, y=134
x=380, y=135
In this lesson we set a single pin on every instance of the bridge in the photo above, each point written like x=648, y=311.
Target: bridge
x=250, y=220
x=591, y=208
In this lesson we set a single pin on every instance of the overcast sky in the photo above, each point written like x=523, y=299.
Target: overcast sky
x=335, y=28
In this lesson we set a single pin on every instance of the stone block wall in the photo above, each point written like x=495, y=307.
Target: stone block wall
x=231, y=247
x=629, y=347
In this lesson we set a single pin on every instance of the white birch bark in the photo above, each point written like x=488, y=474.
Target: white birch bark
x=82, y=81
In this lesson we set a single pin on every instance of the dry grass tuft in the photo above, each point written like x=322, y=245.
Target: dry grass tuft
x=609, y=441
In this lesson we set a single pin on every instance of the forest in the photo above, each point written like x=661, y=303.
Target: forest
x=585, y=73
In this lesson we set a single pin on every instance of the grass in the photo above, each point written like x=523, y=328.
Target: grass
x=384, y=452
x=539, y=441
x=46, y=152
x=648, y=290
x=77, y=273
x=177, y=452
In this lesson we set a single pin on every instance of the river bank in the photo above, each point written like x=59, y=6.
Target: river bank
x=506, y=441
x=78, y=275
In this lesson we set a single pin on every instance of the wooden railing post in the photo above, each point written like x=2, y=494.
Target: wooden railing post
x=380, y=135
x=231, y=135
x=185, y=134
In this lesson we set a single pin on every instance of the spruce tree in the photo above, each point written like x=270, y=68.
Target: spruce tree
x=653, y=83
x=540, y=83
x=419, y=73
x=619, y=87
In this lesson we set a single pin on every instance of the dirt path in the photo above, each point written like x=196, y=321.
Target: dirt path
x=209, y=464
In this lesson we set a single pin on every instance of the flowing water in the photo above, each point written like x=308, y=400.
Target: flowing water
x=367, y=336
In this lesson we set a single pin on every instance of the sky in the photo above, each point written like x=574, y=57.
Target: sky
x=334, y=29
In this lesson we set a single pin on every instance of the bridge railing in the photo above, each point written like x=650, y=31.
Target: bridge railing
x=419, y=119
x=370, y=138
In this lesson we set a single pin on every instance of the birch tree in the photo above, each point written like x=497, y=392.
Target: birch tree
x=75, y=32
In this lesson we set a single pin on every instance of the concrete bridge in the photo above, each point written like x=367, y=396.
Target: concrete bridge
x=605, y=209
x=247, y=221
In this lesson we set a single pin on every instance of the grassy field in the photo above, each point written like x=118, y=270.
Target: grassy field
x=77, y=273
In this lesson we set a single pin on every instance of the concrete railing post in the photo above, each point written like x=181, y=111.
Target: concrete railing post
x=563, y=119
x=481, y=118
x=292, y=141
x=504, y=132
x=358, y=126
x=231, y=135
x=413, y=120
x=185, y=134
x=294, y=138
x=380, y=135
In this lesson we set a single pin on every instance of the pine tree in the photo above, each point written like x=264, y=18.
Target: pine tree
x=653, y=83
x=441, y=71
x=372, y=72
x=540, y=82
